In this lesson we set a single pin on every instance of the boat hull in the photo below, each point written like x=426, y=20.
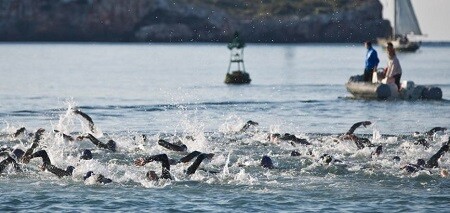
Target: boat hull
x=381, y=91
x=400, y=45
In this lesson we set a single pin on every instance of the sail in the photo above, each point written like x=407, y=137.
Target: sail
x=405, y=18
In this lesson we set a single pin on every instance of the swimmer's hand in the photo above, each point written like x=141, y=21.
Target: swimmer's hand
x=366, y=123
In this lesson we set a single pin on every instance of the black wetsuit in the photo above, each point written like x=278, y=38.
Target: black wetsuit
x=171, y=146
x=37, y=137
x=165, y=173
x=110, y=145
x=9, y=160
x=85, y=116
x=51, y=168
x=433, y=161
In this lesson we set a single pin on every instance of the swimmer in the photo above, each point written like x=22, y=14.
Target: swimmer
x=165, y=166
x=171, y=146
x=422, y=142
x=47, y=165
x=378, y=151
x=86, y=155
x=360, y=142
x=327, y=159
x=110, y=145
x=165, y=173
x=11, y=159
x=85, y=116
x=434, y=130
x=98, y=178
x=35, y=144
x=412, y=168
x=248, y=125
x=288, y=137
x=66, y=137
x=19, y=132
x=433, y=161
x=266, y=162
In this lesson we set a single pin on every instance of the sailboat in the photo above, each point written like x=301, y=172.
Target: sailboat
x=405, y=26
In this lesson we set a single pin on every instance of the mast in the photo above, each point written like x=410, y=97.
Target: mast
x=395, y=19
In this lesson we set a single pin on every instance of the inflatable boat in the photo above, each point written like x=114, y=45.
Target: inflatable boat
x=379, y=90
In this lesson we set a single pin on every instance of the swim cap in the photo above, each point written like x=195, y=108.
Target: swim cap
x=70, y=169
x=18, y=153
x=420, y=162
x=86, y=155
x=266, y=162
x=111, y=145
x=87, y=175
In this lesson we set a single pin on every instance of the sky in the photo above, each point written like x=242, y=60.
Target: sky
x=433, y=17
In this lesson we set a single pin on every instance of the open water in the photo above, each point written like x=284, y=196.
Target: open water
x=176, y=92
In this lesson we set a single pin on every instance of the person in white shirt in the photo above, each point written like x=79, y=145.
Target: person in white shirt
x=393, y=71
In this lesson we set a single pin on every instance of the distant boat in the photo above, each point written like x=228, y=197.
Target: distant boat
x=405, y=26
x=238, y=76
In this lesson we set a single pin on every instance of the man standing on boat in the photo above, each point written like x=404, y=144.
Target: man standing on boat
x=371, y=61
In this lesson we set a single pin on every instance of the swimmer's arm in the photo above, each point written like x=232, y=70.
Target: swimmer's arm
x=356, y=125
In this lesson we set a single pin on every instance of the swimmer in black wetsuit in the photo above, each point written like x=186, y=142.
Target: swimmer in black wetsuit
x=412, y=168
x=98, y=178
x=85, y=116
x=433, y=161
x=422, y=137
x=288, y=137
x=327, y=159
x=430, y=163
x=171, y=146
x=110, y=145
x=434, y=130
x=47, y=165
x=266, y=162
x=165, y=173
x=65, y=136
x=248, y=125
x=10, y=159
x=378, y=151
x=19, y=132
x=360, y=142
x=35, y=144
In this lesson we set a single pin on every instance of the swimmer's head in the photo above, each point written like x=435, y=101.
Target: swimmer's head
x=396, y=158
x=18, y=153
x=111, y=145
x=70, y=169
x=266, y=162
x=88, y=175
x=420, y=162
x=86, y=155
x=295, y=153
x=326, y=158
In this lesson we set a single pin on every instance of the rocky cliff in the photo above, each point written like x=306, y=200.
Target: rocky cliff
x=191, y=20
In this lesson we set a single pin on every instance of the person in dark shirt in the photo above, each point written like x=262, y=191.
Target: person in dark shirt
x=371, y=62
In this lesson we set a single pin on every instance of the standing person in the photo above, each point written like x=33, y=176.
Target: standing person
x=393, y=71
x=371, y=61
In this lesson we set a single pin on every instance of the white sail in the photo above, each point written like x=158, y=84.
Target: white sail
x=405, y=19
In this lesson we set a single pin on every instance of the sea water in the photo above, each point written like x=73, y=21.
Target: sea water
x=171, y=91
